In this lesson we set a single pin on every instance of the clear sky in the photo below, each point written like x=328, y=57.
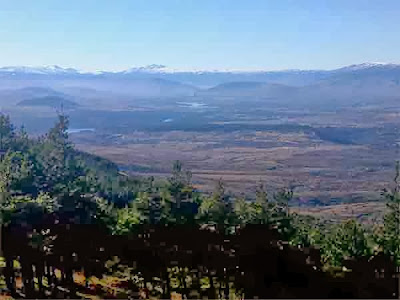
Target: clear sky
x=203, y=34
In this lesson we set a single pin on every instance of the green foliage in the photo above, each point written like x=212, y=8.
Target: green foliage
x=178, y=180
x=25, y=209
x=48, y=203
x=142, y=206
x=17, y=172
x=391, y=232
x=243, y=211
x=127, y=218
x=180, y=193
x=262, y=210
x=54, y=161
x=308, y=231
x=6, y=132
x=106, y=213
x=344, y=241
x=217, y=210
x=282, y=217
x=55, y=177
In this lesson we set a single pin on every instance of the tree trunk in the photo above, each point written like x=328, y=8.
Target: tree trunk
x=27, y=277
x=10, y=275
x=167, y=291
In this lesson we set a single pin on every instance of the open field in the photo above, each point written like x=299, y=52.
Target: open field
x=370, y=213
x=320, y=171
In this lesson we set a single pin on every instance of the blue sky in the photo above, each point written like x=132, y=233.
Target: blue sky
x=202, y=34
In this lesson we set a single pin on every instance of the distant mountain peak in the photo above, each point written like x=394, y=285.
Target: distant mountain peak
x=368, y=65
x=43, y=70
x=155, y=67
x=148, y=68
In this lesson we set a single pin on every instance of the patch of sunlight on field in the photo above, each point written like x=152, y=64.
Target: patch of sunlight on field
x=176, y=296
x=79, y=278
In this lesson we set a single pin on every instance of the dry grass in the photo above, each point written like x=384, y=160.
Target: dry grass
x=318, y=169
x=364, y=212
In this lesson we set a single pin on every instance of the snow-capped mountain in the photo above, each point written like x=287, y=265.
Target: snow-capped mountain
x=157, y=68
x=354, y=81
x=150, y=68
x=208, y=78
x=366, y=66
x=162, y=69
x=45, y=70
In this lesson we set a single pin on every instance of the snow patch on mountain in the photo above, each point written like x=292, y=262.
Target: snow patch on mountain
x=370, y=65
x=45, y=70
x=162, y=69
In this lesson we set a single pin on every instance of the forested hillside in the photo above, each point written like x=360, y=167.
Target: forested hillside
x=46, y=182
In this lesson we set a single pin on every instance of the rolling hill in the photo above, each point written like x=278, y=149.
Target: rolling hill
x=249, y=89
x=49, y=101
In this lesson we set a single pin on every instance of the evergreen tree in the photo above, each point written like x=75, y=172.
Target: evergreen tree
x=141, y=205
x=52, y=157
x=344, y=241
x=180, y=200
x=6, y=133
x=217, y=210
x=106, y=214
x=17, y=174
x=281, y=216
x=127, y=219
x=177, y=182
x=308, y=231
x=243, y=212
x=391, y=232
x=262, y=210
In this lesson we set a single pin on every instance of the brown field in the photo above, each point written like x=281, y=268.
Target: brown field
x=371, y=212
x=317, y=169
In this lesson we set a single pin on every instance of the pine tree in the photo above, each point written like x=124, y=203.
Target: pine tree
x=217, y=210
x=345, y=241
x=141, y=205
x=243, y=212
x=391, y=238
x=180, y=190
x=127, y=219
x=176, y=182
x=281, y=216
x=6, y=133
x=308, y=231
x=262, y=210
x=16, y=174
x=54, y=166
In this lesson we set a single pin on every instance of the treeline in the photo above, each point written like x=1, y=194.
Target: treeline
x=47, y=179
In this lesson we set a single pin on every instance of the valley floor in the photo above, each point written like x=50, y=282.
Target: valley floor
x=321, y=172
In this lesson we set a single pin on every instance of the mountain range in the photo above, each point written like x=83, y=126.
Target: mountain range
x=161, y=71
x=362, y=81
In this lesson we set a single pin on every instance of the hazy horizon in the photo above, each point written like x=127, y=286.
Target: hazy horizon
x=167, y=69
